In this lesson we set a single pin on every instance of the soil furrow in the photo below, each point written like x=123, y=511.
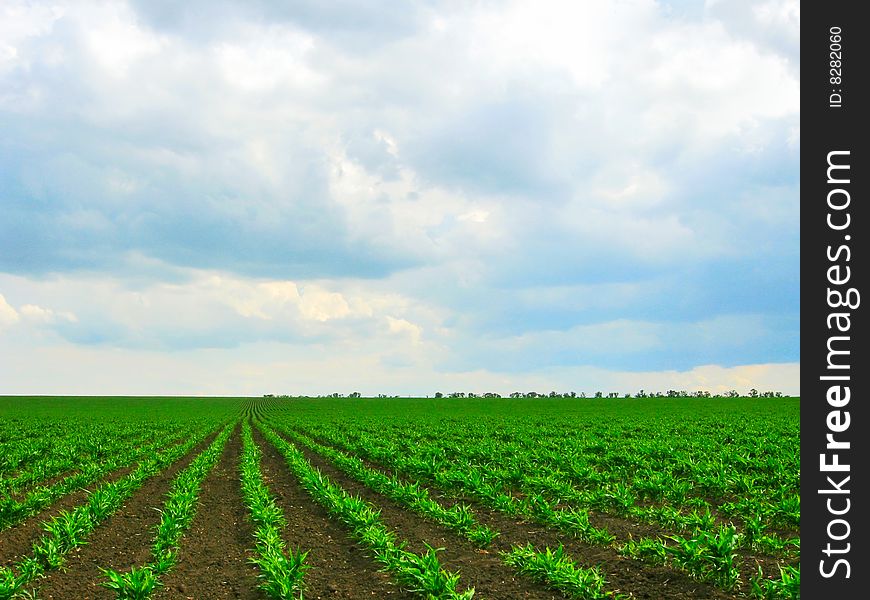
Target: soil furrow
x=120, y=542
x=638, y=527
x=625, y=575
x=339, y=567
x=17, y=542
x=481, y=569
x=214, y=552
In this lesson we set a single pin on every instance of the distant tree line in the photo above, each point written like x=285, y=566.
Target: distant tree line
x=753, y=393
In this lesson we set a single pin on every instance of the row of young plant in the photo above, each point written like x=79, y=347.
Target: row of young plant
x=281, y=570
x=70, y=528
x=708, y=555
x=464, y=479
x=458, y=517
x=558, y=570
x=618, y=500
x=53, y=452
x=14, y=511
x=712, y=556
x=618, y=468
x=617, y=452
x=524, y=471
x=739, y=468
x=25, y=442
x=420, y=573
x=68, y=457
x=552, y=567
x=177, y=514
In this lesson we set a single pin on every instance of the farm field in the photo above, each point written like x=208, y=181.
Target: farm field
x=548, y=498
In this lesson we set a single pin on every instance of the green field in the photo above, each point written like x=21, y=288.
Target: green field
x=443, y=498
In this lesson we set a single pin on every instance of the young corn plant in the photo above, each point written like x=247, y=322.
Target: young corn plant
x=709, y=556
x=70, y=529
x=557, y=570
x=788, y=511
x=424, y=575
x=411, y=494
x=755, y=537
x=421, y=573
x=9, y=583
x=645, y=549
x=137, y=584
x=281, y=571
x=177, y=514
x=787, y=587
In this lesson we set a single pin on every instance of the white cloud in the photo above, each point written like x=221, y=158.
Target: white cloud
x=19, y=22
x=31, y=314
x=8, y=315
x=322, y=305
x=475, y=216
x=38, y=314
x=406, y=328
x=570, y=36
x=409, y=216
x=208, y=309
x=782, y=14
x=114, y=39
x=782, y=377
x=713, y=85
x=268, y=59
x=403, y=185
x=276, y=368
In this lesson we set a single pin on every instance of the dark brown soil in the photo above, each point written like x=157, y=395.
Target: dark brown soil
x=480, y=569
x=120, y=542
x=213, y=558
x=17, y=542
x=340, y=569
x=624, y=529
x=624, y=575
x=214, y=552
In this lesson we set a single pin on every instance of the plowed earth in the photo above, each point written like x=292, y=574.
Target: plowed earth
x=120, y=542
x=214, y=556
x=624, y=575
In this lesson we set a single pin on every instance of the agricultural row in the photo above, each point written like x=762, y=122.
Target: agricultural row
x=289, y=498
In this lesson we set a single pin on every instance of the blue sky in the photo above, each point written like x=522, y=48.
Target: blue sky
x=239, y=198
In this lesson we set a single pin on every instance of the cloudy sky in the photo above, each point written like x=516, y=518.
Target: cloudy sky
x=215, y=197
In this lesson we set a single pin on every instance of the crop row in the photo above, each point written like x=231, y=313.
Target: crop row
x=37, y=450
x=552, y=567
x=617, y=471
x=525, y=470
x=36, y=459
x=708, y=554
x=281, y=570
x=421, y=573
x=177, y=514
x=708, y=498
x=70, y=528
x=13, y=511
